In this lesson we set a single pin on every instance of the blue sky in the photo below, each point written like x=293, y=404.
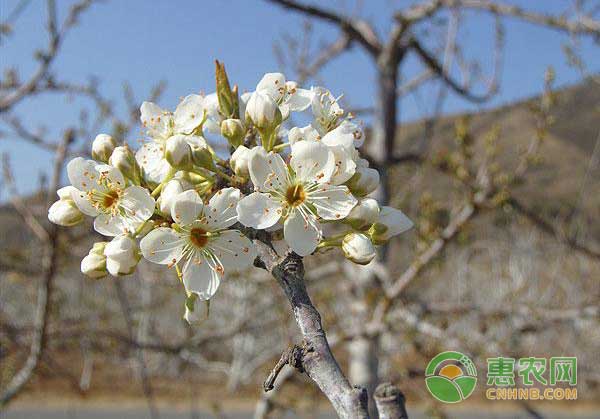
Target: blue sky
x=142, y=42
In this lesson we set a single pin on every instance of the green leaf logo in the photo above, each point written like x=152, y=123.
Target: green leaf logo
x=451, y=377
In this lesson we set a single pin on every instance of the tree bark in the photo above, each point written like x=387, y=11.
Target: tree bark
x=317, y=360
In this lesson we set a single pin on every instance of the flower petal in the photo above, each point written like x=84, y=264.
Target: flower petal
x=258, y=210
x=189, y=114
x=151, y=159
x=112, y=225
x=221, y=211
x=312, y=161
x=163, y=246
x=234, y=250
x=332, y=202
x=200, y=278
x=187, y=207
x=112, y=174
x=267, y=170
x=272, y=84
x=302, y=232
x=83, y=203
x=345, y=167
x=80, y=172
x=348, y=134
x=137, y=203
x=299, y=99
x=155, y=119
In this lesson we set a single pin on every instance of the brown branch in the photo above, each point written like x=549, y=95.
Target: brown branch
x=49, y=263
x=390, y=402
x=319, y=363
x=360, y=31
x=48, y=56
x=293, y=357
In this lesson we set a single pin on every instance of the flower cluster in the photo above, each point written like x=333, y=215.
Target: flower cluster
x=178, y=203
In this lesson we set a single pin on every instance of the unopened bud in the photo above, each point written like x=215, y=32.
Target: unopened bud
x=65, y=212
x=358, y=248
x=364, y=181
x=94, y=264
x=263, y=111
x=365, y=213
x=201, y=154
x=123, y=159
x=239, y=161
x=102, y=147
x=234, y=131
x=122, y=255
x=178, y=152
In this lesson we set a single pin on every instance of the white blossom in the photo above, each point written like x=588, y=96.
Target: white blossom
x=239, y=161
x=64, y=212
x=102, y=147
x=286, y=94
x=201, y=243
x=364, y=214
x=325, y=109
x=263, y=111
x=391, y=222
x=94, y=264
x=122, y=255
x=299, y=195
x=364, y=181
x=101, y=192
x=358, y=248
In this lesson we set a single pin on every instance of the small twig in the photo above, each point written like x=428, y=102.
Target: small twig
x=292, y=356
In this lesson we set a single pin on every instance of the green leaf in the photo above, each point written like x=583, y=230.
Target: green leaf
x=443, y=389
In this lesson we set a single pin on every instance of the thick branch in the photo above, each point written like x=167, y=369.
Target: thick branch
x=361, y=31
x=318, y=361
x=390, y=402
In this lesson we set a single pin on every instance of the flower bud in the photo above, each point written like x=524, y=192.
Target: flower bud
x=102, y=147
x=234, y=131
x=123, y=159
x=358, y=248
x=364, y=181
x=201, y=154
x=64, y=212
x=122, y=255
x=168, y=193
x=178, y=152
x=239, y=161
x=94, y=264
x=391, y=223
x=263, y=111
x=365, y=213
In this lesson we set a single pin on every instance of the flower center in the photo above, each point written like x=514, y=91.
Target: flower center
x=198, y=237
x=110, y=199
x=295, y=195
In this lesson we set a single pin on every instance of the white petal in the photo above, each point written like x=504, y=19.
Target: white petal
x=299, y=100
x=200, y=278
x=80, y=171
x=307, y=133
x=302, y=234
x=273, y=84
x=112, y=225
x=138, y=203
x=213, y=123
x=163, y=246
x=83, y=203
x=66, y=192
x=345, y=167
x=151, y=159
x=187, y=207
x=267, y=170
x=332, y=202
x=234, y=250
x=348, y=134
x=258, y=210
x=155, y=120
x=221, y=211
x=114, y=175
x=189, y=114
x=312, y=162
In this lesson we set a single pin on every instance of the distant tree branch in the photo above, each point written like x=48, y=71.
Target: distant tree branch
x=358, y=30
